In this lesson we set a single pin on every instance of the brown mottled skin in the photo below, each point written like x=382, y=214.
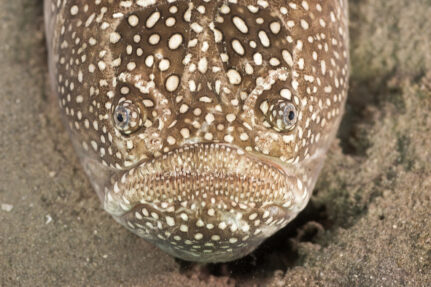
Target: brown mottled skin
x=202, y=125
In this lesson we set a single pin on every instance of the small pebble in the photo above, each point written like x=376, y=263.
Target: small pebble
x=6, y=207
x=48, y=219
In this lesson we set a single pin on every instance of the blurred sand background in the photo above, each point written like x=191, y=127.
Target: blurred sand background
x=368, y=223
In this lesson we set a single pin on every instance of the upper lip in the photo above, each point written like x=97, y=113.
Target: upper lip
x=220, y=170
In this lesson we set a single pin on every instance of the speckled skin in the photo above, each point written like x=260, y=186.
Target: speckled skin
x=202, y=125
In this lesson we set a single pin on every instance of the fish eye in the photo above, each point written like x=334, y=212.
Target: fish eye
x=283, y=116
x=121, y=116
x=128, y=117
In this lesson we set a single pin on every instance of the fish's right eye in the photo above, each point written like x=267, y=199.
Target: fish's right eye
x=128, y=117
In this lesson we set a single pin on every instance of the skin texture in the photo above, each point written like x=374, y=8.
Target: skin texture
x=202, y=125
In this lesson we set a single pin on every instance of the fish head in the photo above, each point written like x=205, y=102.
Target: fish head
x=209, y=120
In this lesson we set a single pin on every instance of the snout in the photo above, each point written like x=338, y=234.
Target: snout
x=206, y=202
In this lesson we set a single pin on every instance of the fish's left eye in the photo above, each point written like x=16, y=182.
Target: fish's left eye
x=128, y=117
x=283, y=116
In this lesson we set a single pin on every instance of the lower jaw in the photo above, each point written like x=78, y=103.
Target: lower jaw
x=223, y=236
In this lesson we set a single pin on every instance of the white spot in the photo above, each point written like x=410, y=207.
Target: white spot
x=263, y=37
x=287, y=57
x=153, y=19
x=275, y=27
x=240, y=24
x=285, y=93
x=234, y=77
x=74, y=10
x=172, y=83
x=175, y=41
x=237, y=47
x=133, y=20
x=114, y=37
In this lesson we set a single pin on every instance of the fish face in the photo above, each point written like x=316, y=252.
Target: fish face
x=202, y=125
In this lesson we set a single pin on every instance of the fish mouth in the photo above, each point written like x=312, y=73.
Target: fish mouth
x=206, y=194
x=201, y=172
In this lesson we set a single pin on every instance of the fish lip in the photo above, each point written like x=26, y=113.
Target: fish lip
x=122, y=195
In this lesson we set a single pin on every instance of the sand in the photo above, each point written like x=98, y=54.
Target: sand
x=368, y=223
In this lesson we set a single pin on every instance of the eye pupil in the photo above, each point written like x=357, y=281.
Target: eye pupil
x=128, y=117
x=122, y=116
x=291, y=115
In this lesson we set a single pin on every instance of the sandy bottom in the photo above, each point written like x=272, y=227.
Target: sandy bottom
x=368, y=223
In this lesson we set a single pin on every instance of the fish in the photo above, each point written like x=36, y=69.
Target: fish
x=202, y=125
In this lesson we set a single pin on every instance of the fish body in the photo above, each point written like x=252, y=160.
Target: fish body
x=202, y=124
